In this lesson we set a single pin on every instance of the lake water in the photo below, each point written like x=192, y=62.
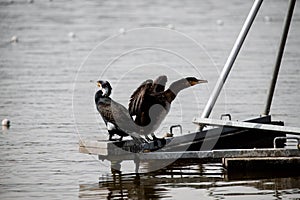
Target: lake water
x=47, y=89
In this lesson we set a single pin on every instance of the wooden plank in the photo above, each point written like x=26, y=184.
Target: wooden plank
x=247, y=125
x=94, y=144
x=213, y=154
x=101, y=147
x=92, y=151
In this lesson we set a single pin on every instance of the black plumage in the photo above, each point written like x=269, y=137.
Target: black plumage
x=116, y=116
x=150, y=102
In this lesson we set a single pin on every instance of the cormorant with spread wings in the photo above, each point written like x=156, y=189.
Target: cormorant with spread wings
x=150, y=102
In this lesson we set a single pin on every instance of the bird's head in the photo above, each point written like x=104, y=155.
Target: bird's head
x=105, y=87
x=193, y=81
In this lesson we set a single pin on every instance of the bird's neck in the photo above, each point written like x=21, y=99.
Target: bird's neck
x=175, y=88
x=106, y=91
x=100, y=97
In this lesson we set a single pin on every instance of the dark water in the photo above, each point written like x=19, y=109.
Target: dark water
x=47, y=94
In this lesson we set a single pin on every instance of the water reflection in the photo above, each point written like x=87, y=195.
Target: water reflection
x=152, y=185
x=209, y=179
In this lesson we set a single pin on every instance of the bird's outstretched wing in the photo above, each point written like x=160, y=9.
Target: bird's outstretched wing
x=159, y=84
x=138, y=97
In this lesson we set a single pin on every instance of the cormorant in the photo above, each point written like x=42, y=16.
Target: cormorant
x=116, y=116
x=150, y=102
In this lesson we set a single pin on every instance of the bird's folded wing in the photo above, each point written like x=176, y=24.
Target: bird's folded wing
x=122, y=118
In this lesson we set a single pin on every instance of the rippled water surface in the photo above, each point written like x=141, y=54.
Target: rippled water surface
x=47, y=89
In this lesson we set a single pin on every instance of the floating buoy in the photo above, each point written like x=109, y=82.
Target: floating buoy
x=220, y=22
x=72, y=35
x=5, y=122
x=14, y=39
x=122, y=31
x=267, y=19
x=171, y=26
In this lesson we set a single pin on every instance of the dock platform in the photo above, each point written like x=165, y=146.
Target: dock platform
x=257, y=144
x=100, y=149
x=232, y=159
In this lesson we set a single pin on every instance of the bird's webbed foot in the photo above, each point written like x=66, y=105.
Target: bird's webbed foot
x=139, y=140
x=155, y=143
x=153, y=137
x=140, y=144
x=148, y=138
x=158, y=142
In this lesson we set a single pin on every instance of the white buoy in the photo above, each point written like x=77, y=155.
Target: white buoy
x=14, y=39
x=171, y=26
x=72, y=35
x=220, y=22
x=5, y=122
x=122, y=31
x=267, y=19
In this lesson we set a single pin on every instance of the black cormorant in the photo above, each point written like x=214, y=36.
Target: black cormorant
x=150, y=102
x=116, y=116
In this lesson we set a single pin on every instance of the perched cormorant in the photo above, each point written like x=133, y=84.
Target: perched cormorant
x=150, y=102
x=116, y=116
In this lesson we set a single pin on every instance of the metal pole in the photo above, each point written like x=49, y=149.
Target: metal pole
x=230, y=61
x=284, y=35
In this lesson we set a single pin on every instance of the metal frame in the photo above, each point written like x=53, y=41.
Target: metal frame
x=234, y=52
x=247, y=125
x=287, y=23
x=232, y=56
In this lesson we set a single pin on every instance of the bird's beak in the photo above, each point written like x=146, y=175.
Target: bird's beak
x=198, y=82
x=202, y=81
